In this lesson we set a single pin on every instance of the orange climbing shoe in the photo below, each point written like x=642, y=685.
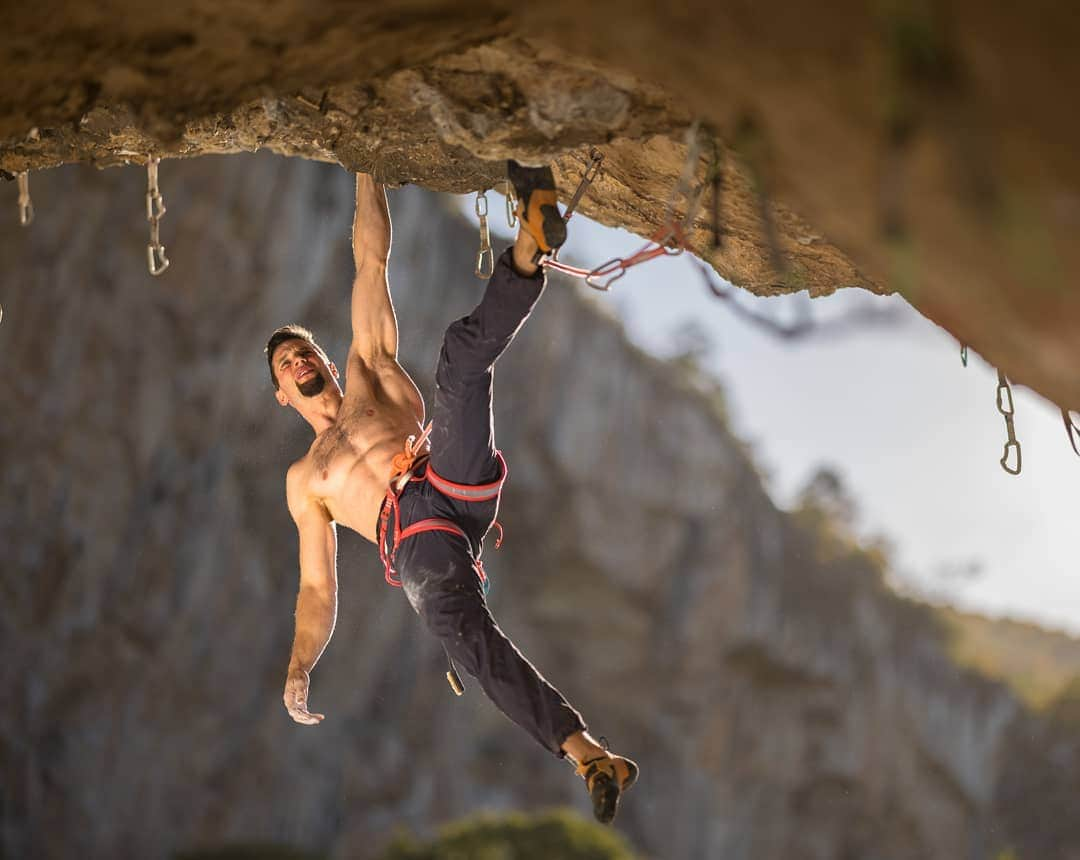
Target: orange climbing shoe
x=537, y=205
x=606, y=778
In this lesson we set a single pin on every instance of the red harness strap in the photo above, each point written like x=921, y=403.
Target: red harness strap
x=468, y=492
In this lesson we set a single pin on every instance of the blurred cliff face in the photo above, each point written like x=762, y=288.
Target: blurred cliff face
x=781, y=701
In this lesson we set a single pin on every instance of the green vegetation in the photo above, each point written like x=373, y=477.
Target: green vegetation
x=558, y=833
x=554, y=834
x=249, y=851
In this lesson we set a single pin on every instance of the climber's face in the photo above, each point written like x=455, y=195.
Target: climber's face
x=301, y=371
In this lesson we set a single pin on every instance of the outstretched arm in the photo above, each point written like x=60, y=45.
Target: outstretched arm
x=375, y=332
x=316, y=604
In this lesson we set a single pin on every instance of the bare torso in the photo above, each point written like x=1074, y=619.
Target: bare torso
x=347, y=469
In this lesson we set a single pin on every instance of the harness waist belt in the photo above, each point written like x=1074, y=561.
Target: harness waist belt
x=468, y=492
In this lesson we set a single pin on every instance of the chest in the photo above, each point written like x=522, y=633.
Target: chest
x=331, y=455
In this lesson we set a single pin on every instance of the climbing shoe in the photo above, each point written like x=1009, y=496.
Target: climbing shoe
x=537, y=205
x=606, y=777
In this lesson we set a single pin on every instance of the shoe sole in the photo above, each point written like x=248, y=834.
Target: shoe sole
x=605, y=794
x=554, y=227
x=530, y=181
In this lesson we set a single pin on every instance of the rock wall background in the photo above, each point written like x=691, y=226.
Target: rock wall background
x=782, y=702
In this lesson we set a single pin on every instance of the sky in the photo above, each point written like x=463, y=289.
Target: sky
x=915, y=436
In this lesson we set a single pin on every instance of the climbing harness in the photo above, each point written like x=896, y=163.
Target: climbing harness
x=963, y=354
x=404, y=467
x=1004, y=393
x=511, y=205
x=155, y=211
x=26, y=206
x=485, y=252
x=1071, y=429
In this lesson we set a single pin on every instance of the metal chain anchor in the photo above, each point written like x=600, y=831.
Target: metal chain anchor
x=26, y=206
x=155, y=211
x=485, y=251
x=963, y=354
x=1004, y=395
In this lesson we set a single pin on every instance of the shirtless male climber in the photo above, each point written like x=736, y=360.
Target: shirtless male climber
x=427, y=505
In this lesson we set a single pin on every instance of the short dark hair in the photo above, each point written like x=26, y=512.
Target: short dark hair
x=290, y=332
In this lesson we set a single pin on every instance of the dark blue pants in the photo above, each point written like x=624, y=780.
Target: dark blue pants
x=438, y=569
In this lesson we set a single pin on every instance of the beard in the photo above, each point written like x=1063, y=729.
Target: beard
x=312, y=387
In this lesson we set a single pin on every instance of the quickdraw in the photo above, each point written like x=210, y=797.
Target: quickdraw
x=155, y=211
x=592, y=172
x=26, y=205
x=669, y=240
x=1071, y=429
x=511, y=205
x=485, y=253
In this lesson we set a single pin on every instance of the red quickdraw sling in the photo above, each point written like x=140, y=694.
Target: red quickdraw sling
x=405, y=464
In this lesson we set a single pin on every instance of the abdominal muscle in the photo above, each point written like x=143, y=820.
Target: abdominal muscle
x=349, y=464
x=355, y=503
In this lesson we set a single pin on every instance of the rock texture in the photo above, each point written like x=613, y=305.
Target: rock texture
x=920, y=146
x=783, y=703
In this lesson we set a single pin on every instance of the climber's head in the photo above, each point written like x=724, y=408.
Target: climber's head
x=299, y=367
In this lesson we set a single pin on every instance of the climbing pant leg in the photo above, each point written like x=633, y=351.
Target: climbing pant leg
x=439, y=578
x=463, y=435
